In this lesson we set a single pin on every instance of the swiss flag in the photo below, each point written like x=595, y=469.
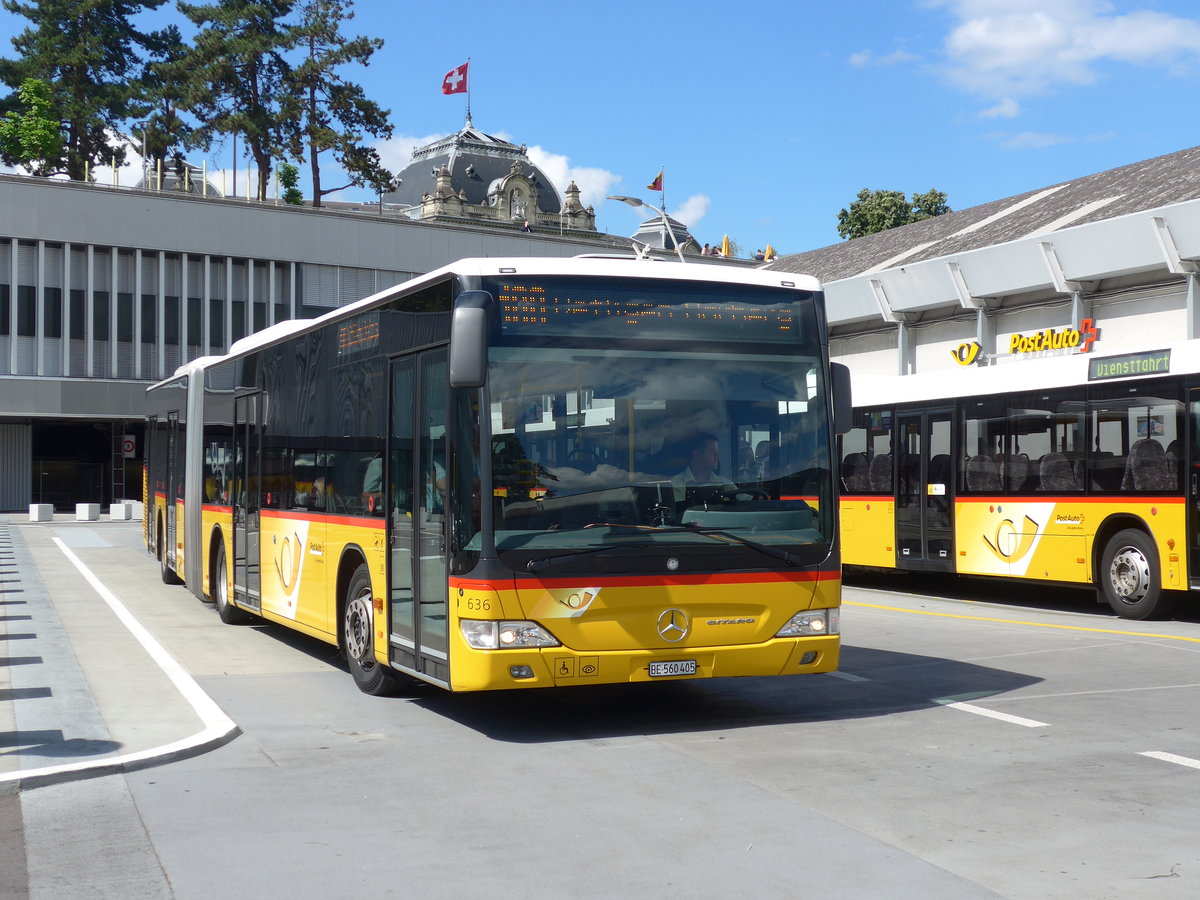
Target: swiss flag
x=455, y=81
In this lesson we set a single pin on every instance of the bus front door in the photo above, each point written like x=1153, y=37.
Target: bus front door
x=925, y=492
x=416, y=498
x=247, y=449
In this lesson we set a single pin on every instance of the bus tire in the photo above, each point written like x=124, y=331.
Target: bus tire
x=1130, y=578
x=165, y=572
x=168, y=574
x=219, y=583
x=357, y=633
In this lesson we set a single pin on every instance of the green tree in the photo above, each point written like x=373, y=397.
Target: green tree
x=875, y=211
x=332, y=115
x=234, y=74
x=88, y=54
x=931, y=203
x=164, y=130
x=289, y=180
x=30, y=137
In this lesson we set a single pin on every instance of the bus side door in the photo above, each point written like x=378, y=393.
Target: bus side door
x=1192, y=486
x=247, y=444
x=416, y=485
x=173, y=477
x=925, y=491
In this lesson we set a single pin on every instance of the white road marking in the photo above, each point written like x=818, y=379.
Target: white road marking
x=1171, y=758
x=219, y=729
x=992, y=714
x=846, y=676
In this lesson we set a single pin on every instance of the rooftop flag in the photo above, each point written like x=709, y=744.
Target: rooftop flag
x=656, y=184
x=455, y=81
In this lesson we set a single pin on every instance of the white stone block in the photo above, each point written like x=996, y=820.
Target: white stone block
x=41, y=512
x=121, y=512
x=87, y=512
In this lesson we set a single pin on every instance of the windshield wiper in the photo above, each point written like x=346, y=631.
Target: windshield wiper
x=746, y=542
x=547, y=562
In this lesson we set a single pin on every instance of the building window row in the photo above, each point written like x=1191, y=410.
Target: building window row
x=87, y=311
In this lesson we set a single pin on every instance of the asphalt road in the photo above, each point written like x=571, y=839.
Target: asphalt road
x=979, y=741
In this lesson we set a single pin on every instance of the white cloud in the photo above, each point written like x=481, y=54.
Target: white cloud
x=1033, y=140
x=868, y=58
x=691, y=211
x=1004, y=49
x=594, y=184
x=1008, y=108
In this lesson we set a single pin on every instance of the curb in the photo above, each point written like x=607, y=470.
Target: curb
x=218, y=729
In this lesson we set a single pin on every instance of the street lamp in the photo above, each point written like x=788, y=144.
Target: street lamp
x=637, y=201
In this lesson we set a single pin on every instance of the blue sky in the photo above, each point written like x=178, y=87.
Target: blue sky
x=769, y=118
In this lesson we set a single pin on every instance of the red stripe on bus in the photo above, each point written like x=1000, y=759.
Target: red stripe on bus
x=657, y=580
x=328, y=518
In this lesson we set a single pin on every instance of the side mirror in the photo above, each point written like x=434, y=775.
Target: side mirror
x=843, y=408
x=469, y=339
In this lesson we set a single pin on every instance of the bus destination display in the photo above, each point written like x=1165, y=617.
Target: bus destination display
x=529, y=309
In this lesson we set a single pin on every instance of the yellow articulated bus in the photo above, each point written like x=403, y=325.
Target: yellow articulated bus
x=520, y=473
x=1078, y=469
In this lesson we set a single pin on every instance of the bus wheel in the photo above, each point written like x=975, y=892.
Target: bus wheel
x=1130, y=578
x=219, y=584
x=357, y=638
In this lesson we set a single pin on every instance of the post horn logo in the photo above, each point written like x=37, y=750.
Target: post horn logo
x=967, y=353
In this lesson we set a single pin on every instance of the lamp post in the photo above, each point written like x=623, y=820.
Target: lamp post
x=145, y=167
x=637, y=201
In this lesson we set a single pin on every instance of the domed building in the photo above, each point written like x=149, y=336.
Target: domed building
x=657, y=235
x=471, y=175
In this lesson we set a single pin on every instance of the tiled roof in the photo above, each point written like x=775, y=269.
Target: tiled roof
x=1172, y=178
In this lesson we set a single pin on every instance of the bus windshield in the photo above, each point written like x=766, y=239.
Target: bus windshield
x=617, y=441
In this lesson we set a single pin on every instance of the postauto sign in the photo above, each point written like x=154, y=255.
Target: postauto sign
x=1078, y=339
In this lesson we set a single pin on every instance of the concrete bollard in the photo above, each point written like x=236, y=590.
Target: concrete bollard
x=87, y=512
x=120, y=511
x=41, y=512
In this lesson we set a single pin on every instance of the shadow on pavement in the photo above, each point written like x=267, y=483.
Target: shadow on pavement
x=1033, y=595
x=51, y=744
x=897, y=683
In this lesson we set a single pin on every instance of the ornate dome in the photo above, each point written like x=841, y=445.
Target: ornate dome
x=478, y=164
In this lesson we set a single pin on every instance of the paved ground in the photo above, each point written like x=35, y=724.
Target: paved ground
x=91, y=691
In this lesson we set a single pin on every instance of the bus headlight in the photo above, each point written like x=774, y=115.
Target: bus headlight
x=812, y=622
x=485, y=634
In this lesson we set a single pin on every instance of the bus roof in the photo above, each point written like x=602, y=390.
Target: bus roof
x=515, y=266
x=1013, y=375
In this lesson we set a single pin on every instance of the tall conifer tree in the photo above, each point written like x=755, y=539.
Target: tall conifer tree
x=233, y=77
x=330, y=114
x=88, y=54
